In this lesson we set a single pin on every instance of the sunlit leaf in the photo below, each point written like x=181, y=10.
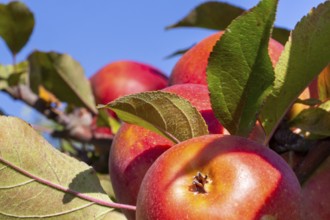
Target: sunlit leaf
x=314, y=120
x=115, y=215
x=309, y=102
x=105, y=119
x=324, y=83
x=38, y=181
x=61, y=75
x=239, y=71
x=12, y=75
x=16, y=25
x=106, y=184
x=305, y=55
x=162, y=112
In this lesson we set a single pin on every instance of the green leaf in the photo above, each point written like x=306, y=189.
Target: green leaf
x=310, y=102
x=281, y=34
x=217, y=16
x=30, y=171
x=211, y=15
x=104, y=119
x=314, y=120
x=63, y=76
x=179, y=52
x=16, y=25
x=12, y=75
x=162, y=112
x=239, y=71
x=106, y=184
x=305, y=55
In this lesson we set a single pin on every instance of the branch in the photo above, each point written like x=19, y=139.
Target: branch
x=316, y=155
x=77, y=125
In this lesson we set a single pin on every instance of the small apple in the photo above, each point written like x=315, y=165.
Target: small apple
x=319, y=88
x=316, y=194
x=123, y=78
x=133, y=151
x=191, y=67
x=219, y=177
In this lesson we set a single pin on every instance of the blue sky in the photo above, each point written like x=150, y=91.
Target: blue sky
x=96, y=33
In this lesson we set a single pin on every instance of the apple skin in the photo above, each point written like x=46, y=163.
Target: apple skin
x=125, y=77
x=245, y=181
x=309, y=92
x=191, y=67
x=316, y=194
x=317, y=89
x=134, y=149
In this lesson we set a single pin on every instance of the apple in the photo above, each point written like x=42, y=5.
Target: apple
x=316, y=194
x=191, y=67
x=124, y=78
x=219, y=177
x=133, y=151
x=319, y=88
x=134, y=148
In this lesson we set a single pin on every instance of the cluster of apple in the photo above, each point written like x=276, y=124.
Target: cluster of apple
x=216, y=176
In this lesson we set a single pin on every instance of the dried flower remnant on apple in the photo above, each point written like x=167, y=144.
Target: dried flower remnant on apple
x=199, y=183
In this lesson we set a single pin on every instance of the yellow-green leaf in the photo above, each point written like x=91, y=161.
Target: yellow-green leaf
x=12, y=75
x=63, y=76
x=30, y=171
x=324, y=83
x=314, y=120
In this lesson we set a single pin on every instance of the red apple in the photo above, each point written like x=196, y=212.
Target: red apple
x=219, y=177
x=133, y=151
x=134, y=148
x=316, y=194
x=191, y=68
x=123, y=78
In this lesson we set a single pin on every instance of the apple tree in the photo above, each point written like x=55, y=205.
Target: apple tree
x=274, y=107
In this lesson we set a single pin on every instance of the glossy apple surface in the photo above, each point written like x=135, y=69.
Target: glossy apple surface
x=133, y=151
x=125, y=77
x=191, y=67
x=316, y=194
x=134, y=148
x=219, y=177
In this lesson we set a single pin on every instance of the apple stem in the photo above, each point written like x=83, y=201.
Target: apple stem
x=198, y=183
